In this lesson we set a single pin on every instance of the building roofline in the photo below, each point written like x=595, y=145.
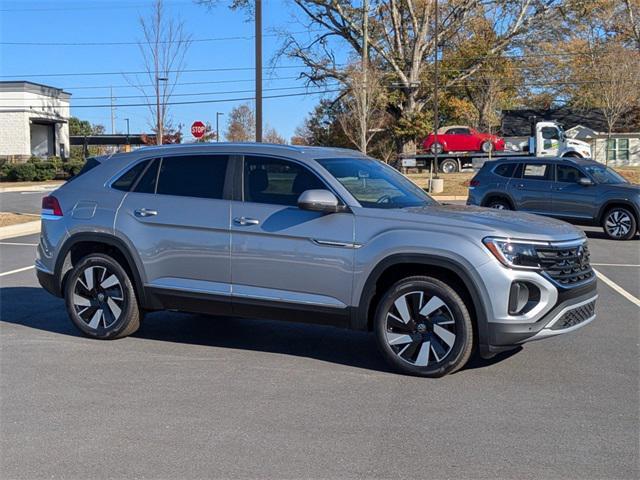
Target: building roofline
x=35, y=87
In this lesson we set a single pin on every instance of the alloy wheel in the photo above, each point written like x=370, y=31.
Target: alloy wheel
x=420, y=329
x=618, y=224
x=98, y=297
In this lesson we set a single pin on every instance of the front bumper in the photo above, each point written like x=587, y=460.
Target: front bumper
x=574, y=309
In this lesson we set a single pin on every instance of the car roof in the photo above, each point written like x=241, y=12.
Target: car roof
x=574, y=160
x=251, y=148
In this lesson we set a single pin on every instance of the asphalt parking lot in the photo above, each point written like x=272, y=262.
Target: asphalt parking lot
x=197, y=397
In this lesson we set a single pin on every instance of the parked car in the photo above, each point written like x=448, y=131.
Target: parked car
x=576, y=190
x=312, y=235
x=462, y=139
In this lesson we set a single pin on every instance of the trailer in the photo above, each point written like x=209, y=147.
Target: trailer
x=547, y=140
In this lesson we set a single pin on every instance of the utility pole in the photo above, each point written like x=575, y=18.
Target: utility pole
x=365, y=68
x=436, y=124
x=113, y=113
x=258, y=48
x=218, y=125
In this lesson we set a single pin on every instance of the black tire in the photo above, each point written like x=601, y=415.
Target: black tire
x=619, y=223
x=437, y=148
x=499, y=204
x=100, y=298
x=487, y=146
x=449, y=166
x=422, y=328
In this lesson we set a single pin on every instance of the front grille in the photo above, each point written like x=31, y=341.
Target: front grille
x=575, y=316
x=566, y=265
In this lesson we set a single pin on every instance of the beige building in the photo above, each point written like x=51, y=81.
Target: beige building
x=34, y=120
x=622, y=149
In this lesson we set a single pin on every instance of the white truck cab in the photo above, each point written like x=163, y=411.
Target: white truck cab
x=549, y=140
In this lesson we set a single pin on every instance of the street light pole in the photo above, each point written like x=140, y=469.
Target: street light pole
x=436, y=124
x=258, y=48
x=218, y=126
x=127, y=120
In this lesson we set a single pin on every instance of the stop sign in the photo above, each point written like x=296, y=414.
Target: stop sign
x=198, y=129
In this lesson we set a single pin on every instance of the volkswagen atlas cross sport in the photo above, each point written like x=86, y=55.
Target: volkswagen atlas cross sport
x=577, y=190
x=312, y=235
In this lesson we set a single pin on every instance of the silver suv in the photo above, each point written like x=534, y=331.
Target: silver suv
x=313, y=235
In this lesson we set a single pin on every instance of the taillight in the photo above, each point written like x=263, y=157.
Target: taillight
x=51, y=206
x=474, y=183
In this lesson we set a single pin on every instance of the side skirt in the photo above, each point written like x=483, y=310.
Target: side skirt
x=212, y=304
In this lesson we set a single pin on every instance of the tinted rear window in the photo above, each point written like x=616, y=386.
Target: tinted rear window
x=127, y=179
x=505, y=169
x=90, y=164
x=193, y=176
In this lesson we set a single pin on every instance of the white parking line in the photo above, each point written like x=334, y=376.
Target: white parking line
x=17, y=270
x=618, y=288
x=614, y=265
x=20, y=244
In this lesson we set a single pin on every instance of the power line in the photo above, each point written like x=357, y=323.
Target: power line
x=89, y=74
x=192, y=102
x=243, y=80
x=194, y=94
x=81, y=7
x=101, y=44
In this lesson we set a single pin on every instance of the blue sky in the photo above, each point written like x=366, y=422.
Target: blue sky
x=72, y=21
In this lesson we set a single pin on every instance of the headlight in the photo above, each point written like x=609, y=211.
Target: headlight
x=514, y=253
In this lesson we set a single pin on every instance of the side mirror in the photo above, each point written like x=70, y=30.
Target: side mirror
x=319, y=201
x=585, y=182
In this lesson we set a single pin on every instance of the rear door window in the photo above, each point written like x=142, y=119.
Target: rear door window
x=537, y=171
x=201, y=176
x=505, y=170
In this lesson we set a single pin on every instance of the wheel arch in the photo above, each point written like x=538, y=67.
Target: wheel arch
x=609, y=204
x=497, y=195
x=92, y=242
x=397, y=266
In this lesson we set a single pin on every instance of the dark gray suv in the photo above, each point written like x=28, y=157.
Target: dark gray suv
x=577, y=190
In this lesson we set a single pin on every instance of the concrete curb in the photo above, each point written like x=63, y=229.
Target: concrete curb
x=27, y=228
x=30, y=188
x=450, y=197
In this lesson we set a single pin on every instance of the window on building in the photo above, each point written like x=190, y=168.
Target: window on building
x=618, y=149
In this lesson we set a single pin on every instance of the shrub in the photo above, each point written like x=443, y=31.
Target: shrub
x=72, y=168
x=21, y=172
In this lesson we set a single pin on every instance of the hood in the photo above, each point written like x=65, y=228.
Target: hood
x=492, y=222
x=622, y=188
x=577, y=143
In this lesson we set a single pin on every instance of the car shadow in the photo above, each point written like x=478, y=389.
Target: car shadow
x=600, y=235
x=34, y=308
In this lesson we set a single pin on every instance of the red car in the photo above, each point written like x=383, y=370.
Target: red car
x=462, y=139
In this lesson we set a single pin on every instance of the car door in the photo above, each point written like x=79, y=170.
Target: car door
x=285, y=260
x=570, y=199
x=549, y=141
x=177, y=217
x=467, y=140
x=531, y=187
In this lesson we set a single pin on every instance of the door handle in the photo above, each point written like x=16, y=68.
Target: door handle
x=520, y=185
x=145, y=212
x=244, y=221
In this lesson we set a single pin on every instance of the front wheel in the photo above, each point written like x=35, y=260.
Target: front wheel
x=423, y=327
x=487, y=146
x=100, y=298
x=619, y=224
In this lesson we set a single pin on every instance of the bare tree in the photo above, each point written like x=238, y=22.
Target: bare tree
x=163, y=49
x=364, y=107
x=611, y=82
x=241, y=126
x=401, y=42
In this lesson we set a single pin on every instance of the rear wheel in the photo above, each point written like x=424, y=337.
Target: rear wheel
x=499, y=204
x=619, y=223
x=423, y=327
x=437, y=148
x=100, y=298
x=449, y=166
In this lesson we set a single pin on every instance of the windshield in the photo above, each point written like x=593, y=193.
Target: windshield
x=375, y=184
x=602, y=174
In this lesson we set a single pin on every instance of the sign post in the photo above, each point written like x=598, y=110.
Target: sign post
x=198, y=129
